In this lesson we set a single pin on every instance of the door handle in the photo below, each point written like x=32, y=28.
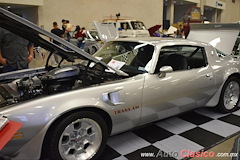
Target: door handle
x=209, y=75
x=112, y=98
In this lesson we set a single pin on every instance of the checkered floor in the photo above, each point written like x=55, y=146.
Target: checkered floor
x=197, y=130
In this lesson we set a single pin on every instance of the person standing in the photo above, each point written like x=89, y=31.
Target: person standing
x=59, y=33
x=80, y=35
x=63, y=25
x=186, y=29
x=84, y=35
x=68, y=29
x=15, y=52
x=179, y=33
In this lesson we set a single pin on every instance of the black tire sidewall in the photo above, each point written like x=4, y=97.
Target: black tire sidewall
x=94, y=50
x=56, y=131
x=221, y=107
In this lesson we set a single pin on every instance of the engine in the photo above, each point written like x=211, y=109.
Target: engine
x=60, y=79
x=54, y=81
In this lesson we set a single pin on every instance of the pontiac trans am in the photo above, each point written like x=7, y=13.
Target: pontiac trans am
x=68, y=111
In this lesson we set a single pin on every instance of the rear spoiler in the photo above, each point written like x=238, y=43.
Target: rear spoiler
x=215, y=26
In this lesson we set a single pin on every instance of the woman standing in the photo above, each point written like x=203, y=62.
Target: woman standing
x=80, y=35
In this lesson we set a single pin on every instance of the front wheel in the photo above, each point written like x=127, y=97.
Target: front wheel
x=78, y=136
x=229, y=97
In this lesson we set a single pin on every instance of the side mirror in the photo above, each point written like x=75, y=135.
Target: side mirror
x=165, y=69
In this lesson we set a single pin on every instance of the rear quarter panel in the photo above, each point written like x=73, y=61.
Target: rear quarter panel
x=224, y=67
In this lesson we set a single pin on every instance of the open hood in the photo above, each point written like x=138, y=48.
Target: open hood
x=220, y=35
x=35, y=34
x=107, y=31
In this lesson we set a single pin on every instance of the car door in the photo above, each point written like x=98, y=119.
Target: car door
x=123, y=98
x=171, y=93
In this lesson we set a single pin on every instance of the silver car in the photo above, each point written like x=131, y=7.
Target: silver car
x=92, y=42
x=68, y=112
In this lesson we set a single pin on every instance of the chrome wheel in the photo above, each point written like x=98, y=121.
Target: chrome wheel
x=231, y=95
x=80, y=140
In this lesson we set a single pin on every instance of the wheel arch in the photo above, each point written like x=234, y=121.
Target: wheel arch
x=231, y=104
x=215, y=99
x=99, y=111
x=233, y=75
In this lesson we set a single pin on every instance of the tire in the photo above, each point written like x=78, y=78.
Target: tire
x=78, y=136
x=229, y=97
x=94, y=50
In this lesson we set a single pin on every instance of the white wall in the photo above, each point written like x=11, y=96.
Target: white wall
x=232, y=12
x=84, y=11
x=213, y=3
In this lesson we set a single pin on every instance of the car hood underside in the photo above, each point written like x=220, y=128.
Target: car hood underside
x=37, y=35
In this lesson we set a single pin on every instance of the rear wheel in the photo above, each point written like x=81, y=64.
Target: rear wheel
x=94, y=50
x=229, y=97
x=78, y=136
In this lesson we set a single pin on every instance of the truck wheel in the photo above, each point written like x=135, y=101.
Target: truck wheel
x=80, y=135
x=229, y=97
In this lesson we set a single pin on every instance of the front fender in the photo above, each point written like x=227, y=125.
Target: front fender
x=37, y=114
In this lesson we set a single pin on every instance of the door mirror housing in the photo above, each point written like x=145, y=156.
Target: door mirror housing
x=165, y=69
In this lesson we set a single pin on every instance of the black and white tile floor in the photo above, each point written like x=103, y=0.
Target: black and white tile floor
x=196, y=130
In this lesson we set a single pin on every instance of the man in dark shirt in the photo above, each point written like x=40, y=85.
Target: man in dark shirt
x=15, y=51
x=59, y=33
x=56, y=31
x=63, y=25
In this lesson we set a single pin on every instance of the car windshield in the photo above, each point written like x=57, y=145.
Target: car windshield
x=94, y=35
x=138, y=25
x=130, y=57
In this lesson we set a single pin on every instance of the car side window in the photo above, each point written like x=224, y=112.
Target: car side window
x=125, y=25
x=181, y=57
x=220, y=53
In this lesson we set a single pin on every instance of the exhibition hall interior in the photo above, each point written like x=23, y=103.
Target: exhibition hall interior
x=120, y=80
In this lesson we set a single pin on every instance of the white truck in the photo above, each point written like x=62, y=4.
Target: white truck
x=120, y=28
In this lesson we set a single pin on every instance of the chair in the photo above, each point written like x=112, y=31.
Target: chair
x=143, y=57
x=177, y=62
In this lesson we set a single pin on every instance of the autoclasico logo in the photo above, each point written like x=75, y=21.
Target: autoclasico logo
x=190, y=154
x=186, y=154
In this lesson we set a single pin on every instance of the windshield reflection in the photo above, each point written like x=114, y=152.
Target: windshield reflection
x=130, y=57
